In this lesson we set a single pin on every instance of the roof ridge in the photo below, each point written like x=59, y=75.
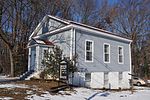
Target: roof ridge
x=59, y=19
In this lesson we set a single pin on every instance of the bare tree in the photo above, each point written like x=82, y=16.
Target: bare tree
x=85, y=11
x=18, y=19
x=106, y=15
x=16, y=23
x=132, y=22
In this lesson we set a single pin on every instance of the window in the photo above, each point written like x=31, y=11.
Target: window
x=106, y=79
x=106, y=51
x=120, y=77
x=88, y=77
x=88, y=50
x=120, y=55
x=45, y=51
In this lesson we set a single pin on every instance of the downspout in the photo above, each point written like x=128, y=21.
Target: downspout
x=131, y=71
x=74, y=32
x=130, y=58
x=73, y=47
x=37, y=58
x=29, y=55
x=71, y=44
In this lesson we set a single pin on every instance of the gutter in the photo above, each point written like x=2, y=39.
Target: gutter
x=100, y=33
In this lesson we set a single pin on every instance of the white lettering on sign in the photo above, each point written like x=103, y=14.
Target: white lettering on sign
x=63, y=71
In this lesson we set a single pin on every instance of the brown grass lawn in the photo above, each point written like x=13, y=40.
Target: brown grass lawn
x=34, y=87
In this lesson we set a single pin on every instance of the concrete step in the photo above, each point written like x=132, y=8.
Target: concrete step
x=26, y=75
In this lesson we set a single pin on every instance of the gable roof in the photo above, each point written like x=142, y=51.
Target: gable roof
x=34, y=33
x=76, y=25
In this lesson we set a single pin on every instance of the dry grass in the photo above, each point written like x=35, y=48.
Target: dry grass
x=34, y=86
x=16, y=93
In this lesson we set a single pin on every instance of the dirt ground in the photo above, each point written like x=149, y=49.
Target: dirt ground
x=33, y=87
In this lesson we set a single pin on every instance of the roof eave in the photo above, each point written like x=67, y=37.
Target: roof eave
x=100, y=33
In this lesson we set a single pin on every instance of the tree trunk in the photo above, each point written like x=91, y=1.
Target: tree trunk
x=11, y=63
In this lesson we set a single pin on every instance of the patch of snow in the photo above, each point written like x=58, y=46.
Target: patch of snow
x=13, y=86
x=125, y=95
x=141, y=88
x=89, y=94
x=148, y=81
x=46, y=96
x=3, y=76
x=6, y=98
x=29, y=92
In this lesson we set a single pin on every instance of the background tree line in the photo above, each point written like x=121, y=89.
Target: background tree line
x=128, y=18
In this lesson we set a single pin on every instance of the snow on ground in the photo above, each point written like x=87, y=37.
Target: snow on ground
x=4, y=78
x=82, y=94
x=124, y=95
x=148, y=81
x=6, y=98
x=13, y=86
x=89, y=94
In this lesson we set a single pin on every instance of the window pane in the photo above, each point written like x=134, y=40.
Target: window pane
x=88, y=77
x=106, y=78
x=120, y=58
x=106, y=57
x=89, y=56
x=120, y=50
x=106, y=48
x=88, y=45
x=120, y=76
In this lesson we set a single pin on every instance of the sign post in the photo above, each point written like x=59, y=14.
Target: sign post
x=63, y=70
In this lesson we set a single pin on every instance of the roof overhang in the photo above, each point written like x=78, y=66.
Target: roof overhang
x=98, y=32
x=49, y=46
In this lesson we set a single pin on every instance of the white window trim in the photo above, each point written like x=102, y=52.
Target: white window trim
x=122, y=55
x=104, y=53
x=92, y=50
